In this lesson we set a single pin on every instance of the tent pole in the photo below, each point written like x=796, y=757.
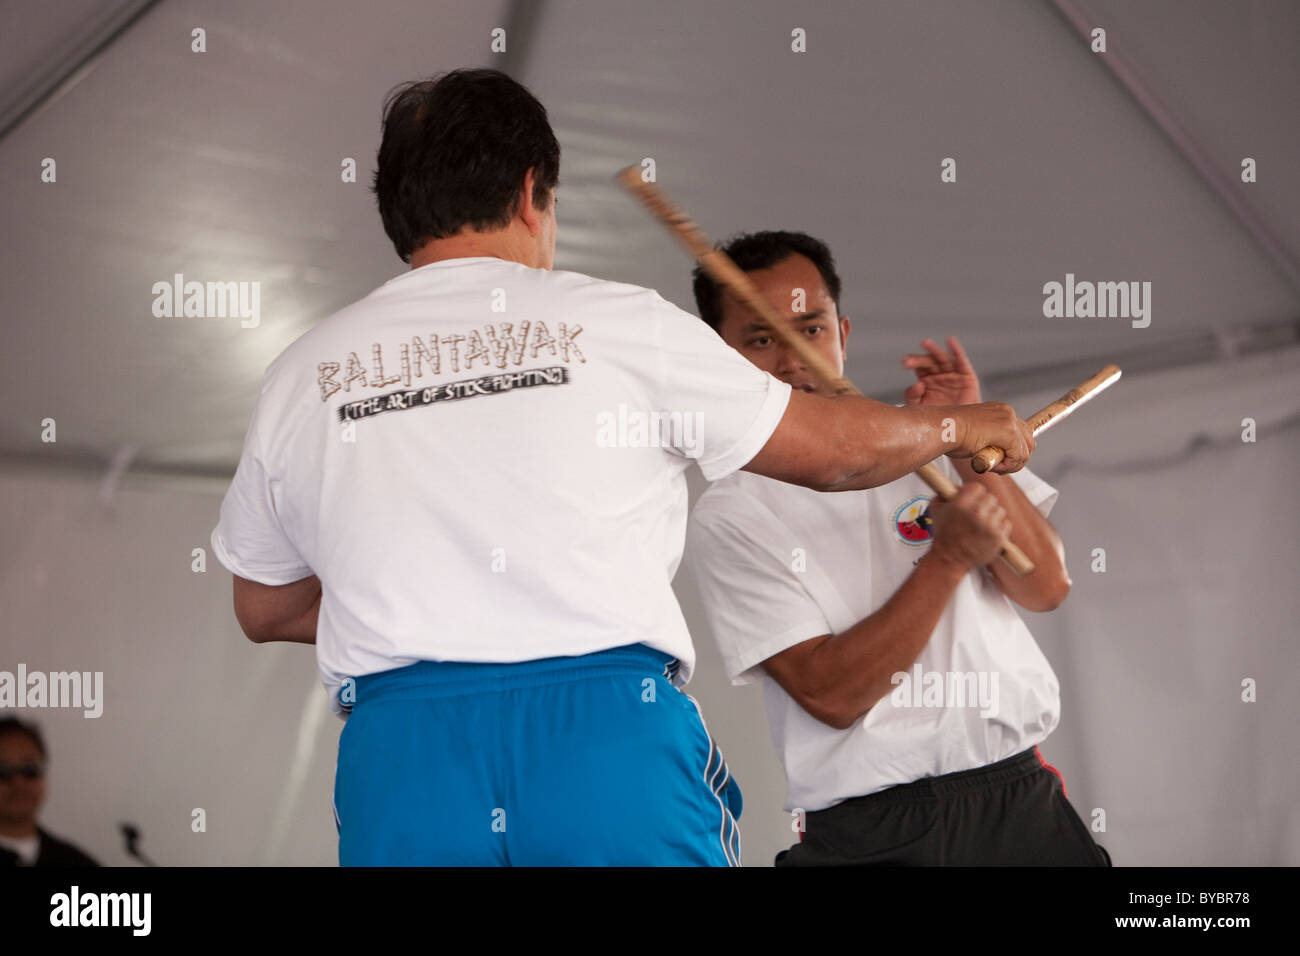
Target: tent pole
x=1221, y=185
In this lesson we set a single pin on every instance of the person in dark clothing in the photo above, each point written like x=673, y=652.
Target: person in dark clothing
x=22, y=791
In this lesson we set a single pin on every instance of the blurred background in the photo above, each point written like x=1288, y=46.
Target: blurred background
x=225, y=165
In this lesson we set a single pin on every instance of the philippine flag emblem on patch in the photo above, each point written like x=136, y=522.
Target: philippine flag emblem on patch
x=909, y=525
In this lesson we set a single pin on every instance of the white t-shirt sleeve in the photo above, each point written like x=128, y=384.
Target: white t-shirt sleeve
x=755, y=602
x=249, y=539
x=1040, y=494
x=735, y=405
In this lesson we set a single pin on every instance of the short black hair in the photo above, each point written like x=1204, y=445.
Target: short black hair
x=454, y=151
x=12, y=725
x=762, y=250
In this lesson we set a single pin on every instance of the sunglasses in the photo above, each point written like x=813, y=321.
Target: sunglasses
x=32, y=771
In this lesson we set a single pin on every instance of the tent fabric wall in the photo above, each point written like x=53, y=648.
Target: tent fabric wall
x=194, y=715
x=1202, y=543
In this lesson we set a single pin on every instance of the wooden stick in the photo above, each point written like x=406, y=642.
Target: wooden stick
x=1053, y=413
x=727, y=274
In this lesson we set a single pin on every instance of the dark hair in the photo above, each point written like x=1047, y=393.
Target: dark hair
x=454, y=152
x=762, y=250
x=12, y=725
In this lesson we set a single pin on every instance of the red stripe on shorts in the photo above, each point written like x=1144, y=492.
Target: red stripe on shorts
x=1048, y=766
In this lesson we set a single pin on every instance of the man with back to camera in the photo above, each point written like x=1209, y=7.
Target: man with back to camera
x=905, y=696
x=422, y=494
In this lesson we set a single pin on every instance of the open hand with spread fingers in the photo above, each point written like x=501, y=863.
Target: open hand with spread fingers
x=942, y=378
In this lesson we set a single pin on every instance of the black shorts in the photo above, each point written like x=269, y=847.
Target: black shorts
x=1010, y=813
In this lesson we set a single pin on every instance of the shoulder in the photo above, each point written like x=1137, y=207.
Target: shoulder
x=748, y=502
x=283, y=374
x=56, y=852
x=607, y=292
x=730, y=494
x=580, y=281
x=598, y=298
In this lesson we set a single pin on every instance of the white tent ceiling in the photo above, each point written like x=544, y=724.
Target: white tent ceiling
x=224, y=166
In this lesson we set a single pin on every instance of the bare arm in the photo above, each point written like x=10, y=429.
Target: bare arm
x=1048, y=584
x=287, y=612
x=837, y=678
x=848, y=442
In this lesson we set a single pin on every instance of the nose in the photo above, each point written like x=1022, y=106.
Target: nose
x=788, y=361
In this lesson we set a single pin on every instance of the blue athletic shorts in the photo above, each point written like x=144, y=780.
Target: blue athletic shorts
x=594, y=760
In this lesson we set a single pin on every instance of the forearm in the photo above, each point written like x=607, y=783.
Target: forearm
x=1044, y=588
x=286, y=612
x=848, y=443
x=884, y=443
x=854, y=668
x=302, y=628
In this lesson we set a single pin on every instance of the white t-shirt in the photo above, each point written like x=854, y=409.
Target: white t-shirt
x=485, y=462
x=778, y=564
x=28, y=848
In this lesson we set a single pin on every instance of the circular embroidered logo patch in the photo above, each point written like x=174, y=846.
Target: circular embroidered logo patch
x=905, y=521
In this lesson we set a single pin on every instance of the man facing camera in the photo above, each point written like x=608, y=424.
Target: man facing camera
x=905, y=696
x=23, y=842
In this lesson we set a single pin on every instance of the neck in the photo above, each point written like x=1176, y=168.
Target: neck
x=501, y=244
x=18, y=828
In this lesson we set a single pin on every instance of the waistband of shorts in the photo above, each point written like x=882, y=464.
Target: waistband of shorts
x=952, y=784
x=453, y=678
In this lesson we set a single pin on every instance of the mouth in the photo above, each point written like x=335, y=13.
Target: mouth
x=806, y=388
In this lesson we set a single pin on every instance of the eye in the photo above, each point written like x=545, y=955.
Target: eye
x=814, y=329
x=760, y=341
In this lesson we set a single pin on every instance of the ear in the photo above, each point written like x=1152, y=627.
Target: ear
x=844, y=337
x=531, y=217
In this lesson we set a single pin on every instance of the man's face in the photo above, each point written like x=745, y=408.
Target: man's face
x=20, y=798
x=816, y=320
